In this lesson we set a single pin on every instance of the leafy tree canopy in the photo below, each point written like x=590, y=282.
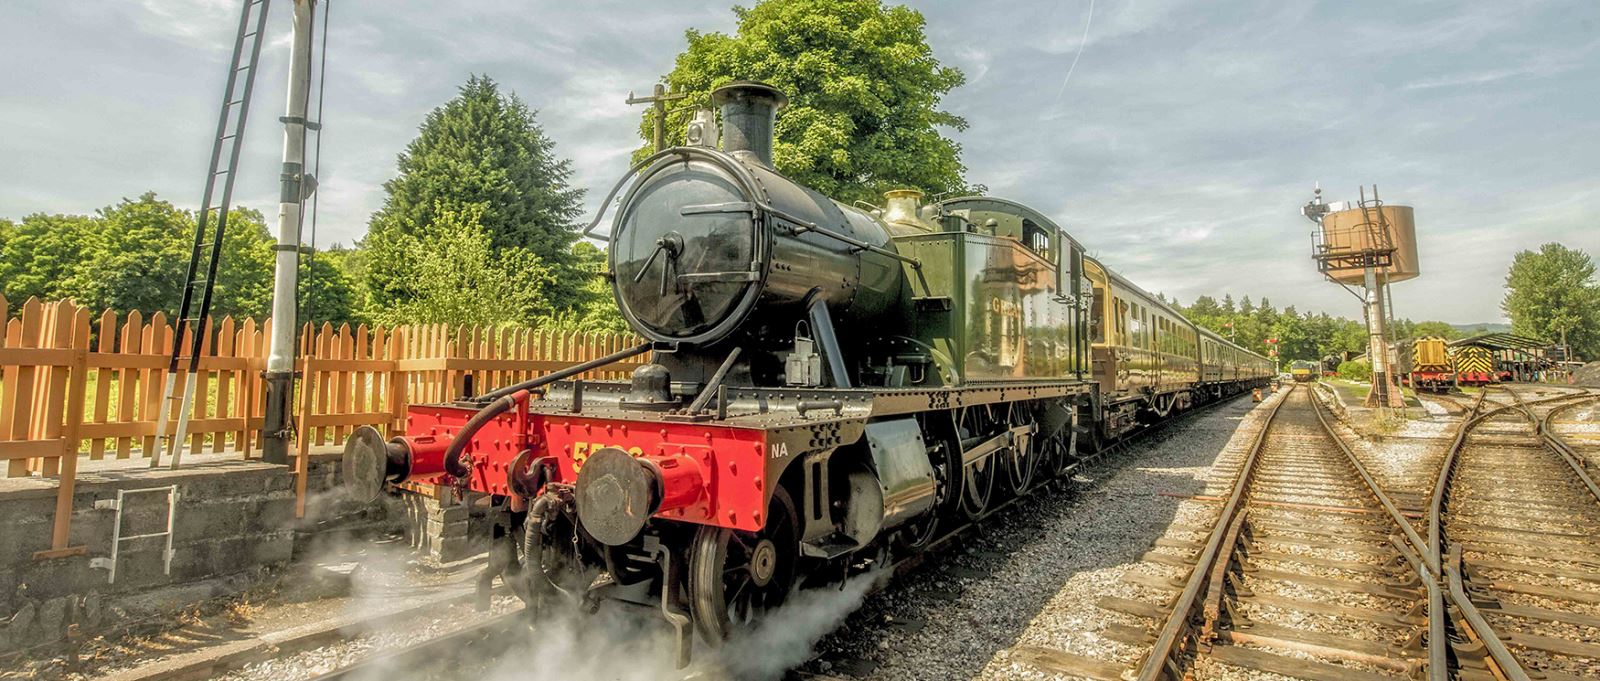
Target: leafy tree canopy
x=133, y=256
x=1551, y=293
x=1300, y=336
x=458, y=276
x=597, y=308
x=327, y=293
x=41, y=255
x=864, y=91
x=481, y=158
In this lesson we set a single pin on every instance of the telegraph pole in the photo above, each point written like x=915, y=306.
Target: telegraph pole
x=295, y=187
x=658, y=100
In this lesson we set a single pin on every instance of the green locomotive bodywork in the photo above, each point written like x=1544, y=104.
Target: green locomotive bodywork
x=996, y=305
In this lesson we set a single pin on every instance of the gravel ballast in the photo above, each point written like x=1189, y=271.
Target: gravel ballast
x=1032, y=577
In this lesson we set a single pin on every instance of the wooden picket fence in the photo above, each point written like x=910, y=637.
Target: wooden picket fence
x=78, y=386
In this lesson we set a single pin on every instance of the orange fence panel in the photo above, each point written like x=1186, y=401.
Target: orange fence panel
x=74, y=384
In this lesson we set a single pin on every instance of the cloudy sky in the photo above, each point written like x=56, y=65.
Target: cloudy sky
x=1179, y=150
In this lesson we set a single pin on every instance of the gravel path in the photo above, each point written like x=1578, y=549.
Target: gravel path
x=1033, y=576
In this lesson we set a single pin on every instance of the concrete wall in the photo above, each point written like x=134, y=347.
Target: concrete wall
x=234, y=524
x=233, y=518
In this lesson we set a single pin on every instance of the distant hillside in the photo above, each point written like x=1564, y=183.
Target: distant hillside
x=1485, y=327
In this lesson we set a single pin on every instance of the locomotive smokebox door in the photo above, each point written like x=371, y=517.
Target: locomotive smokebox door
x=688, y=254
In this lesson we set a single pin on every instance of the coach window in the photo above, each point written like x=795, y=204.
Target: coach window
x=1117, y=324
x=1141, y=336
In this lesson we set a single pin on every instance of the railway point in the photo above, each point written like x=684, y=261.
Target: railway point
x=864, y=347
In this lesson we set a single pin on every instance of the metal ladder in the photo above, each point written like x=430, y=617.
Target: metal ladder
x=119, y=505
x=191, y=322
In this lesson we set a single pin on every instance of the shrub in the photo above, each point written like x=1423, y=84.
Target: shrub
x=1355, y=370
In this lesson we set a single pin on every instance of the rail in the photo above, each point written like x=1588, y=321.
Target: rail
x=433, y=651
x=1173, y=639
x=1504, y=663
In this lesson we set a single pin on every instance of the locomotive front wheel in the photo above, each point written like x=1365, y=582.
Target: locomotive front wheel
x=920, y=533
x=735, y=577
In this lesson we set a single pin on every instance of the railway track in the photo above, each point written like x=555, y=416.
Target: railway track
x=1512, y=525
x=1299, y=574
x=1310, y=569
x=1577, y=425
x=437, y=656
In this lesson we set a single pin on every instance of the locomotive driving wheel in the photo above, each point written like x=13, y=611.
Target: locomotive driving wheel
x=977, y=477
x=735, y=577
x=1024, y=454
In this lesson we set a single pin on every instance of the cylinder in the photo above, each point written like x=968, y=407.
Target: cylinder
x=749, y=110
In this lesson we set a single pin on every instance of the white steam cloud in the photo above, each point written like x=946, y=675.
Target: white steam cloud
x=629, y=645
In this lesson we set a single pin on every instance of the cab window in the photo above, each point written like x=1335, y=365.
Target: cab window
x=1036, y=238
x=1097, y=315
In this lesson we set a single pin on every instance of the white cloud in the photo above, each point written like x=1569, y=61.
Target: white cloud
x=207, y=24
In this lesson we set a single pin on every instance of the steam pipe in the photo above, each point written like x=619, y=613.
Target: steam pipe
x=832, y=355
x=568, y=372
x=452, y=454
x=533, y=543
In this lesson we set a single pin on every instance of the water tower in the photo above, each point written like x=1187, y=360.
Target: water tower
x=1370, y=245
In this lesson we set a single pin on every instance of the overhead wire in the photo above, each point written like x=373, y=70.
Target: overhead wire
x=307, y=256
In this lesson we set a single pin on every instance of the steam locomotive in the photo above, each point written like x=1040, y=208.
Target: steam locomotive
x=827, y=387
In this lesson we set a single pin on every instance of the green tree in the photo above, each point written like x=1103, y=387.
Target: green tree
x=1348, y=336
x=329, y=288
x=459, y=276
x=597, y=307
x=1432, y=328
x=481, y=154
x=41, y=255
x=1551, y=294
x=326, y=292
x=138, y=258
x=864, y=88
x=1205, y=306
x=244, y=276
x=1355, y=370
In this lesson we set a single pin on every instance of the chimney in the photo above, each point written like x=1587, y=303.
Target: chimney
x=748, y=110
